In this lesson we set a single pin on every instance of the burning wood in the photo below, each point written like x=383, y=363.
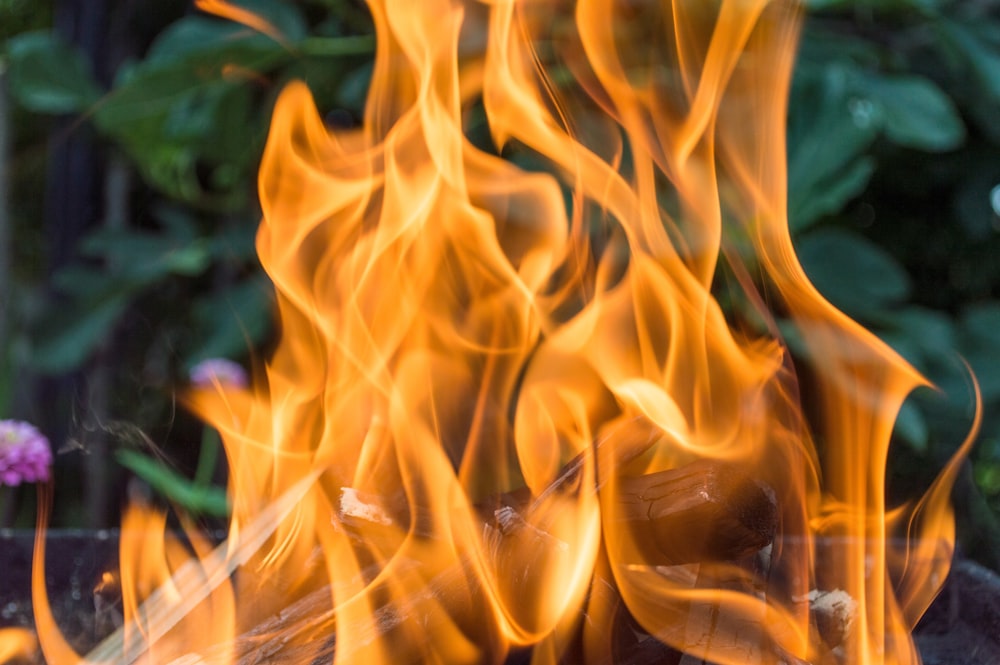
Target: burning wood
x=703, y=511
x=834, y=613
x=353, y=506
x=702, y=498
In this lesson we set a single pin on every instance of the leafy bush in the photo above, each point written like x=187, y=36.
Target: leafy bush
x=895, y=197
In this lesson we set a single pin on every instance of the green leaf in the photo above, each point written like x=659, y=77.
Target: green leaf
x=194, y=498
x=213, y=47
x=234, y=243
x=988, y=447
x=917, y=113
x=177, y=221
x=354, y=87
x=830, y=129
x=73, y=333
x=190, y=260
x=142, y=257
x=171, y=122
x=852, y=272
x=189, y=114
x=828, y=193
x=80, y=281
x=980, y=334
x=919, y=334
x=980, y=324
x=48, y=76
x=131, y=262
x=233, y=322
x=988, y=477
x=911, y=426
x=216, y=46
x=981, y=54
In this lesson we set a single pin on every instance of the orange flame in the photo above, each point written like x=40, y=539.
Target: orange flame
x=17, y=644
x=241, y=15
x=496, y=385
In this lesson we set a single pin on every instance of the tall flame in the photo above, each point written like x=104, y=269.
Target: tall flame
x=480, y=364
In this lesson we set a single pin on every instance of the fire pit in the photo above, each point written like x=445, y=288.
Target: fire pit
x=959, y=628
x=509, y=416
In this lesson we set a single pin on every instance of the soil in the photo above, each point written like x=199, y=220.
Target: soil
x=962, y=626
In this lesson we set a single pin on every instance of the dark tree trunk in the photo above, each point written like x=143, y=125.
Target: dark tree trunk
x=73, y=205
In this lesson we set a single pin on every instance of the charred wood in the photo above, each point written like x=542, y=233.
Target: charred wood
x=703, y=511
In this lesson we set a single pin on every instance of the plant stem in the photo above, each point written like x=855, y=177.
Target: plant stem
x=207, y=457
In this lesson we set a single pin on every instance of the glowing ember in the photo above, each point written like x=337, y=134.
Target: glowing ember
x=507, y=409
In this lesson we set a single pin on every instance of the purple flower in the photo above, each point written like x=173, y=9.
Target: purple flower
x=216, y=371
x=25, y=455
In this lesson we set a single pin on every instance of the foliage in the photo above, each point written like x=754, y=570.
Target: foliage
x=19, y=16
x=177, y=281
x=894, y=181
x=191, y=117
x=894, y=165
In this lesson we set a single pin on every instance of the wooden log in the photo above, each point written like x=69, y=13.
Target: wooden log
x=703, y=511
x=834, y=613
x=706, y=511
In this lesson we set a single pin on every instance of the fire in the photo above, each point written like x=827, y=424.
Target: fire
x=508, y=409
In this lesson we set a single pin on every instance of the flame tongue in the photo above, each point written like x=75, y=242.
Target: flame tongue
x=512, y=395
x=418, y=280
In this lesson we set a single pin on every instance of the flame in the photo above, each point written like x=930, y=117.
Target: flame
x=241, y=15
x=500, y=392
x=17, y=644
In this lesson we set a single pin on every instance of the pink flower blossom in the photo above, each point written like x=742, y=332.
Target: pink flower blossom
x=214, y=371
x=25, y=455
